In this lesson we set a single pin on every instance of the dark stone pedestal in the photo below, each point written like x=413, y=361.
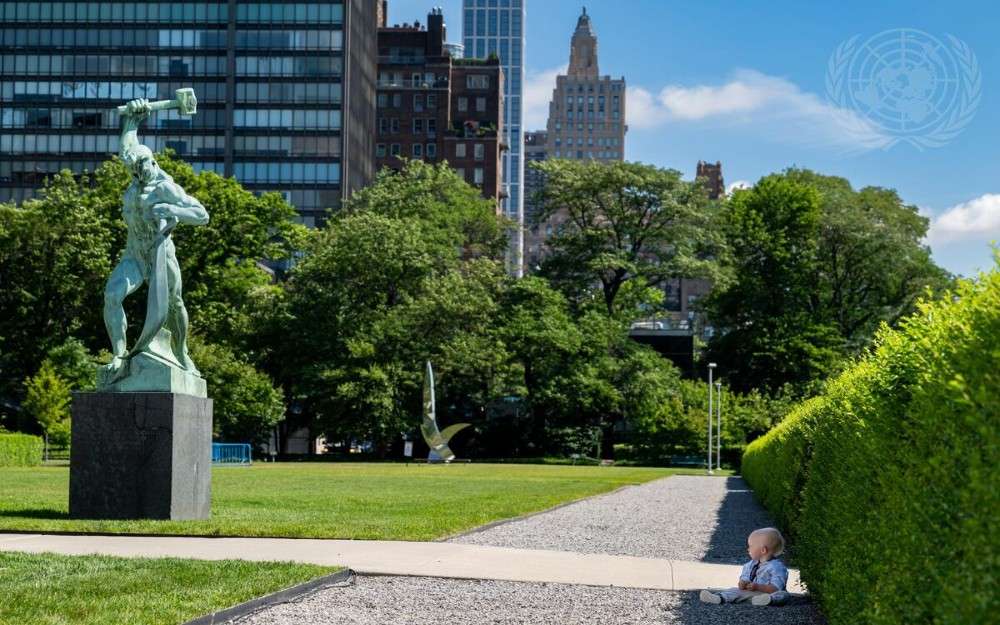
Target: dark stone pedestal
x=140, y=456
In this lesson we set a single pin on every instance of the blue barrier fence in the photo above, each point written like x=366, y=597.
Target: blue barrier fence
x=230, y=453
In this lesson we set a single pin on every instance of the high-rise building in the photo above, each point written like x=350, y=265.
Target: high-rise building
x=286, y=91
x=434, y=107
x=587, y=111
x=586, y=122
x=496, y=27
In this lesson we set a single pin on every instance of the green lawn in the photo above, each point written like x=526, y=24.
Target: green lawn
x=349, y=500
x=47, y=589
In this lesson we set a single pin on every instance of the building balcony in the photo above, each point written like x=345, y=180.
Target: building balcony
x=401, y=60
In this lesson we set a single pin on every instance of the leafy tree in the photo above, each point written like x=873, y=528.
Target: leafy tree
x=623, y=221
x=74, y=364
x=246, y=403
x=450, y=213
x=47, y=399
x=816, y=268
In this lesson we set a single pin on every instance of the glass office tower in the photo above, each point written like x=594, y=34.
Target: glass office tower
x=497, y=27
x=270, y=78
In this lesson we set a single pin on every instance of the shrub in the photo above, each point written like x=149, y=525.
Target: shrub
x=20, y=450
x=887, y=482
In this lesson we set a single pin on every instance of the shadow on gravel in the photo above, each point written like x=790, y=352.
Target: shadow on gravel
x=739, y=515
x=690, y=611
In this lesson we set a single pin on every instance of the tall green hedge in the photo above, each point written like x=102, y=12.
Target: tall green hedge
x=887, y=483
x=20, y=450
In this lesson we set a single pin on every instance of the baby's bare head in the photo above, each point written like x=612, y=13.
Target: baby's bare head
x=765, y=543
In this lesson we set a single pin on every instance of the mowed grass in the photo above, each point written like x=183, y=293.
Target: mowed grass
x=337, y=500
x=47, y=589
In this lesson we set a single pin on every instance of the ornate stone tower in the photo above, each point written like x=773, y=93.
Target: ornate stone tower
x=583, y=50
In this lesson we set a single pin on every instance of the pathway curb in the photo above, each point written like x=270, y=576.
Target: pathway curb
x=282, y=596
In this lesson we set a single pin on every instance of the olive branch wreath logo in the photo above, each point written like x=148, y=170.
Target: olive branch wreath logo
x=870, y=132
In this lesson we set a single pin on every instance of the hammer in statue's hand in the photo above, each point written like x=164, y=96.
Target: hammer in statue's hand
x=184, y=101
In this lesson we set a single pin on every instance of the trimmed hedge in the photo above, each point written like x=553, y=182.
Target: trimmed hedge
x=20, y=450
x=887, y=483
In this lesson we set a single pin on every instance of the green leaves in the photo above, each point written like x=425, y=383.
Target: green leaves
x=620, y=222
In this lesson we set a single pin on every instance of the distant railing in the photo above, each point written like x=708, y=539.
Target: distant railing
x=231, y=453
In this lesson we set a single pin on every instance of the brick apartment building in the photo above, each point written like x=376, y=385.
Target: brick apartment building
x=434, y=107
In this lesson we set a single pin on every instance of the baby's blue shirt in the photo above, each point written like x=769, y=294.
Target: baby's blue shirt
x=771, y=572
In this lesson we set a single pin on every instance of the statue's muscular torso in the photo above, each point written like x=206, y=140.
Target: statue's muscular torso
x=143, y=227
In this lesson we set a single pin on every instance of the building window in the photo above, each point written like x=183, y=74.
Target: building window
x=459, y=150
x=481, y=105
x=395, y=125
x=397, y=100
x=432, y=101
x=477, y=175
x=418, y=102
x=479, y=151
x=477, y=81
x=418, y=126
x=380, y=150
x=383, y=125
x=461, y=172
x=383, y=100
x=431, y=126
x=394, y=149
x=417, y=150
x=431, y=151
x=463, y=104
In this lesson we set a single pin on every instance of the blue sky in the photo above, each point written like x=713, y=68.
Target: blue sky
x=745, y=83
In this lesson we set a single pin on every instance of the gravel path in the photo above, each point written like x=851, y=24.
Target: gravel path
x=679, y=518
x=683, y=518
x=408, y=600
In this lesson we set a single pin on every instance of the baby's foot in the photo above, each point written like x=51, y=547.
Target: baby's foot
x=761, y=600
x=710, y=597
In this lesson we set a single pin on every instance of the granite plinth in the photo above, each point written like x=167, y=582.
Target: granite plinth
x=140, y=456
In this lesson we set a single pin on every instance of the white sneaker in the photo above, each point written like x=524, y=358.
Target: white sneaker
x=761, y=600
x=710, y=597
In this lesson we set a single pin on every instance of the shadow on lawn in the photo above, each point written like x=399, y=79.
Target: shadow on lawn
x=35, y=513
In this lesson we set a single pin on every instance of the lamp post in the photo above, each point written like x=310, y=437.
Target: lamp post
x=711, y=369
x=718, y=428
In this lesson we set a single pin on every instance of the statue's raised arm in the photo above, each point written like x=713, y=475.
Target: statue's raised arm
x=153, y=205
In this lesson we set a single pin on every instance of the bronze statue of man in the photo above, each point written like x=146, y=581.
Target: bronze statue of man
x=154, y=204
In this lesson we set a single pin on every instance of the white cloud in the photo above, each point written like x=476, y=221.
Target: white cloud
x=771, y=106
x=977, y=219
x=538, y=87
x=739, y=184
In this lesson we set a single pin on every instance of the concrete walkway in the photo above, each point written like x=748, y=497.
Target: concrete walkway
x=425, y=559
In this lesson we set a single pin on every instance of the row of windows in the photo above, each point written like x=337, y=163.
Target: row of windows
x=112, y=65
x=34, y=172
x=614, y=87
x=308, y=145
x=462, y=104
x=285, y=92
x=46, y=91
x=114, y=12
x=591, y=115
x=176, y=38
x=289, y=66
x=420, y=101
x=417, y=150
x=590, y=126
x=93, y=118
x=491, y=3
x=291, y=173
x=287, y=119
x=300, y=13
x=390, y=125
x=59, y=144
x=600, y=141
x=588, y=154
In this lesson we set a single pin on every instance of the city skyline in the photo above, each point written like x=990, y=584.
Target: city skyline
x=747, y=87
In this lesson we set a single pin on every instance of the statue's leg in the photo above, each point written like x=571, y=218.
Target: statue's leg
x=125, y=279
x=177, y=317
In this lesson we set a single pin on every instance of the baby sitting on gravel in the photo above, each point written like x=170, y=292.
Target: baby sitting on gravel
x=763, y=578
